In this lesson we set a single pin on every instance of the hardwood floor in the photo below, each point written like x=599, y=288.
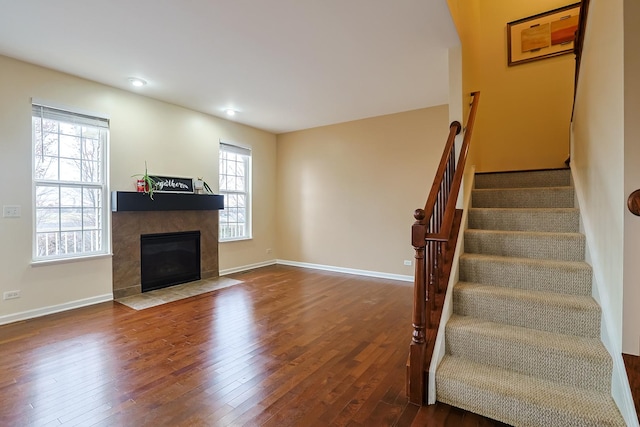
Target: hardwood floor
x=632, y=366
x=289, y=347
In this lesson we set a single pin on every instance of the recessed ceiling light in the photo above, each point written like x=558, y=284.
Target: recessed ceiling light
x=230, y=112
x=137, y=82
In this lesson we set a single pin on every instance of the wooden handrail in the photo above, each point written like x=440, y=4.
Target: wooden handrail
x=429, y=236
x=578, y=42
x=459, y=172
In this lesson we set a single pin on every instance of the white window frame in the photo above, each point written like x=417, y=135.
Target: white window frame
x=87, y=241
x=225, y=229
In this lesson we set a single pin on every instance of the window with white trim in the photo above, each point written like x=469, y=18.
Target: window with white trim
x=69, y=184
x=235, y=186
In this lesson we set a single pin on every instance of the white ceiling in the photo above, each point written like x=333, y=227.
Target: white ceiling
x=282, y=64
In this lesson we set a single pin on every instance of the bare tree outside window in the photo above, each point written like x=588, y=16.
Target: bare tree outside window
x=69, y=177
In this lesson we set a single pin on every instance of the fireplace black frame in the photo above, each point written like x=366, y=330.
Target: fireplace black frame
x=157, y=278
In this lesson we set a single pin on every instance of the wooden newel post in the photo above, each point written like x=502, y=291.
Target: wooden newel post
x=416, y=386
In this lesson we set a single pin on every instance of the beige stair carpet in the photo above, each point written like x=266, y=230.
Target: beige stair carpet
x=523, y=344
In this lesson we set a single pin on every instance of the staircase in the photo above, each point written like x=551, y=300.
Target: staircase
x=523, y=345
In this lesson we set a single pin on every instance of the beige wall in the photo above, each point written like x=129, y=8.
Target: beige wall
x=173, y=140
x=347, y=192
x=631, y=308
x=597, y=157
x=523, y=119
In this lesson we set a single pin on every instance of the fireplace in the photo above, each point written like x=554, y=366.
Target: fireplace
x=168, y=259
x=135, y=214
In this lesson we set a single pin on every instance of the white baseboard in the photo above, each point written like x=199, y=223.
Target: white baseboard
x=30, y=314
x=355, y=271
x=621, y=392
x=246, y=267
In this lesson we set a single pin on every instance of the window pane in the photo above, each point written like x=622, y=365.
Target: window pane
x=92, y=197
x=46, y=144
x=47, y=219
x=47, y=244
x=70, y=196
x=69, y=170
x=46, y=168
x=91, y=171
x=47, y=196
x=91, y=149
x=90, y=218
x=70, y=219
x=70, y=147
x=231, y=182
x=232, y=200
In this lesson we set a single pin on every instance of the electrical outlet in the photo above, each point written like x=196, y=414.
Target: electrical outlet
x=11, y=211
x=408, y=262
x=11, y=295
x=269, y=250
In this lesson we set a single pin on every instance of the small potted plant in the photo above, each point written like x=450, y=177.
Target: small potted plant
x=201, y=187
x=146, y=184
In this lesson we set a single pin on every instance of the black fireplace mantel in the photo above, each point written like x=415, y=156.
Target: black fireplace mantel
x=127, y=201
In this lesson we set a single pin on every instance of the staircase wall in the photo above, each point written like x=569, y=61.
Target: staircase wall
x=631, y=291
x=525, y=109
x=598, y=155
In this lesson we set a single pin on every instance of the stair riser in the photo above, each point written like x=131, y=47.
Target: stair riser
x=558, y=197
x=536, y=277
x=553, y=178
x=548, y=221
x=557, y=247
x=543, y=316
x=518, y=412
x=530, y=359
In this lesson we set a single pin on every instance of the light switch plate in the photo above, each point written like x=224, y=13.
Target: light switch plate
x=11, y=211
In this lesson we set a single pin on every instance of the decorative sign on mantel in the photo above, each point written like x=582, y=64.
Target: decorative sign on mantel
x=172, y=184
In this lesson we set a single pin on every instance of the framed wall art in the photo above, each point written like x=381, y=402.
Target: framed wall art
x=542, y=36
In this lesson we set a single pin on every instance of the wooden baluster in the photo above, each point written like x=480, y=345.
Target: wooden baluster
x=438, y=267
x=431, y=285
x=421, y=313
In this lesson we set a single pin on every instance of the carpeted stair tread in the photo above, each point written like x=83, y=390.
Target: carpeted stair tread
x=561, y=220
x=567, y=277
x=523, y=179
x=519, y=399
x=560, y=313
x=537, y=197
x=526, y=244
x=567, y=359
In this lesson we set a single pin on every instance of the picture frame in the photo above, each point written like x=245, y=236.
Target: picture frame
x=172, y=184
x=544, y=35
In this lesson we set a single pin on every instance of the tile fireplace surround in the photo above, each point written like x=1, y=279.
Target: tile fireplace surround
x=127, y=226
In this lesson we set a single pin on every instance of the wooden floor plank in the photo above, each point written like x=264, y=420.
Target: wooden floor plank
x=632, y=366
x=287, y=347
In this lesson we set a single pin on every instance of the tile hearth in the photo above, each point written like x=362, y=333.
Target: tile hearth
x=176, y=292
